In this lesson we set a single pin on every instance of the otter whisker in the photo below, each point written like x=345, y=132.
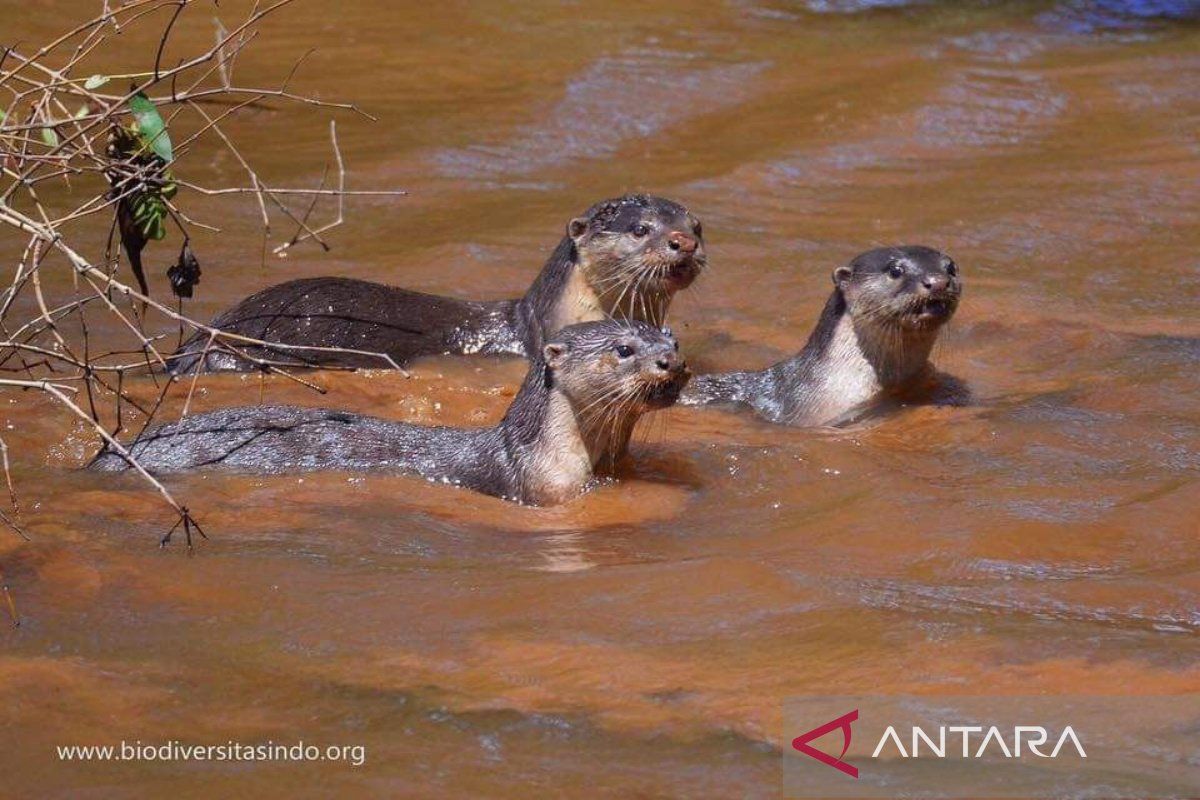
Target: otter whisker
x=646, y=301
x=602, y=426
x=614, y=405
x=628, y=283
x=639, y=297
x=596, y=420
x=624, y=268
x=622, y=427
x=600, y=402
x=657, y=421
x=874, y=339
x=616, y=306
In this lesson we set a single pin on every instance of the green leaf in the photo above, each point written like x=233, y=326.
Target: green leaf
x=151, y=126
x=149, y=214
x=50, y=137
x=82, y=112
x=95, y=82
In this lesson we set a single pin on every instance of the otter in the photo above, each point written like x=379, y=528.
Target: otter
x=572, y=417
x=623, y=258
x=873, y=340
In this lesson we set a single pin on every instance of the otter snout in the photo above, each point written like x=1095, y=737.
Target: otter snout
x=672, y=365
x=682, y=242
x=670, y=362
x=685, y=259
x=669, y=372
x=935, y=283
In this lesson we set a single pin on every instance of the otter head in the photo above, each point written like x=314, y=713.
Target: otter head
x=613, y=369
x=636, y=251
x=915, y=288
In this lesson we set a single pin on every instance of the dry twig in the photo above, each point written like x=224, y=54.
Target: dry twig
x=61, y=128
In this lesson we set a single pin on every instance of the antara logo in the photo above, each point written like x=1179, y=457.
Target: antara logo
x=1032, y=736
x=1035, y=736
x=801, y=743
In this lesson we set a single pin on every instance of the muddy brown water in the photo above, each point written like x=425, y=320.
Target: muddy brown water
x=640, y=642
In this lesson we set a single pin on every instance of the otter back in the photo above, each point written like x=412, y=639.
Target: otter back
x=633, y=252
x=354, y=315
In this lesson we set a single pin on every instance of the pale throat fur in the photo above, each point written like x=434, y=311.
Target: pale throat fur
x=589, y=296
x=864, y=359
x=564, y=458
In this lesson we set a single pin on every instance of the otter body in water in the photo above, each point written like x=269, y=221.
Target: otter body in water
x=576, y=409
x=873, y=339
x=624, y=258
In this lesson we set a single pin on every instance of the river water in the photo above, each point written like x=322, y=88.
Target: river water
x=641, y=642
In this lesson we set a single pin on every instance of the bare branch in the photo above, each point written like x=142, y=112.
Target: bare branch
x=60, y=126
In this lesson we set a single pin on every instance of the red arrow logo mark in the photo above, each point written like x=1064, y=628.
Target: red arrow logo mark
x=801, y=743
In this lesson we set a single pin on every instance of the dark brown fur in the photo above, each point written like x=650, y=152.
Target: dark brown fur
x=624, y=258
x=577, y=406
x=874, y=337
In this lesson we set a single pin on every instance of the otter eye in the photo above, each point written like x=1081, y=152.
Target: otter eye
x=676, y=347
x=698, y=229
x=895, y=269
x=624, y=350
x=640, y=230
x=952, y=269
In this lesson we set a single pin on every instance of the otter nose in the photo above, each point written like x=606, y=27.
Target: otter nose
x=671, y=362
x=935, y=283
x=678, y=240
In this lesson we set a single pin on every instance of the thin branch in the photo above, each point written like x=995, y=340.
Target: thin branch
x=162, y=43
x=57, y=126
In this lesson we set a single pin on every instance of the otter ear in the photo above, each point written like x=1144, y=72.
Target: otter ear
x=577, y=227
x=841, y=276
x=554, y=353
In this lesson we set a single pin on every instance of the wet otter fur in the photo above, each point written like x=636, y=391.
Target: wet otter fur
x=573, y=414
x=873, y=339
x=623, y=258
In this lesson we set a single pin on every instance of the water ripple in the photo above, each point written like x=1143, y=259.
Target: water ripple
x=617, y=99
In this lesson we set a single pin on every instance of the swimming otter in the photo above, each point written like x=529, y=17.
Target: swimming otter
x=575, y=410
x=623, y=258
x=873, y=338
